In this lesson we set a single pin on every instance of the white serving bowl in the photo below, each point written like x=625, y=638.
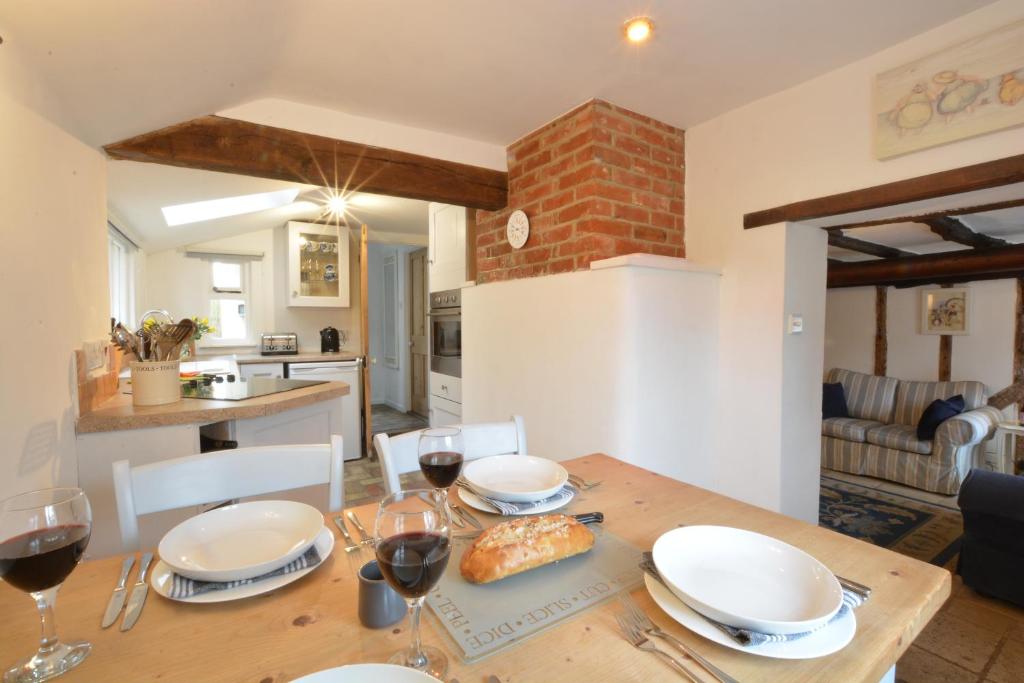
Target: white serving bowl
x=361, y=673
x=746, y=579
x=516, y=478
x=241, y=541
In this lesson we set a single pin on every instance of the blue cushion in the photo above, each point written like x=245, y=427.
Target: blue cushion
x=937, y=412
x=833, y=401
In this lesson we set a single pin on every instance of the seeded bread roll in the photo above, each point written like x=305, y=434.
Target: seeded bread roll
x=522, y=544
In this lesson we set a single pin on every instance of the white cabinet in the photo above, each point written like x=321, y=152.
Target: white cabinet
x=249, y=370
x=444, y=412
x=447, y=247
x=318, y=262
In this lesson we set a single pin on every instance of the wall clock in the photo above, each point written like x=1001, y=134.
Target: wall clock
x=518, y=229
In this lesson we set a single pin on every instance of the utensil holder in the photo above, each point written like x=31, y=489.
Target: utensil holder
x=155, y=383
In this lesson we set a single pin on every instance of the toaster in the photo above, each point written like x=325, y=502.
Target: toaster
x=281, y=344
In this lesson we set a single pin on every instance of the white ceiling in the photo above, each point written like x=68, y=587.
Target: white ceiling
x=917, y=238
x=136, y=192
x=490, y=71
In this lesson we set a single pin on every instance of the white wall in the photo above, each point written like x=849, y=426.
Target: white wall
x=619, y=360
x=984, y=355
x=53, y=279
x=178, y=283
x=811, y=140
x=389, y=385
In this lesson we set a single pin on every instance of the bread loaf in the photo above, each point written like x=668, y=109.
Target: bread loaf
x=522, y=544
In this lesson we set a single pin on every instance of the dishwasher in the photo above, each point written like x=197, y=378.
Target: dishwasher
x=348, y=371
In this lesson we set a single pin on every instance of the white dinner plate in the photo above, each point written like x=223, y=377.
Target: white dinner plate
x=162, y=577
x=473, y=501
x=241, y=541
x=746, y=579
x=824, y=641
x=361, y=673
x=516, y=478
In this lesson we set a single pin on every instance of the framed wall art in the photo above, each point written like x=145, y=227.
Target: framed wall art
x=963, y=90
x=945, y=311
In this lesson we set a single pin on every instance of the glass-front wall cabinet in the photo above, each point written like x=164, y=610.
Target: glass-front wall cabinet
x=318, y=265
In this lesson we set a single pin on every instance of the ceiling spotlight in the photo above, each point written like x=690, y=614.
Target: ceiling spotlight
x=639, y=29
x=335, y=205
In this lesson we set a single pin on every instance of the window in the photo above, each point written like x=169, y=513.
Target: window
x=229, y=303
x=121, y=275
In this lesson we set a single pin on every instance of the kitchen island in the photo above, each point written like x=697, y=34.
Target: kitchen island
x=117, y=430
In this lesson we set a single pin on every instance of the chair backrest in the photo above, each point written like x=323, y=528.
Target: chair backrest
x=399, y=455
x=223, y=475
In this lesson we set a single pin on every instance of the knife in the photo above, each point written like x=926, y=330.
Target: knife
x=465, y=514
x=138, y=597
x=120, y=593
x=350, y=544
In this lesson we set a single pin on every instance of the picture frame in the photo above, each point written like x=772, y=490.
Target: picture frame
x=946, y=311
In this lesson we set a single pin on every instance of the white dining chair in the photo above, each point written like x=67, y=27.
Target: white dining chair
x=223, y=475
x=399, y=454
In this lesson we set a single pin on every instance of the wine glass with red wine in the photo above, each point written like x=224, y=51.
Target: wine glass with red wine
x=43, y=535
x=413, y=542
x=441, y=451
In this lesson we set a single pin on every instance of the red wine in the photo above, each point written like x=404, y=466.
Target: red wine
x=412, y=563
x=42, y=559
x=441, y=469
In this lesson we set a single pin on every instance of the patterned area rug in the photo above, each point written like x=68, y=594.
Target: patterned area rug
x=911, y=527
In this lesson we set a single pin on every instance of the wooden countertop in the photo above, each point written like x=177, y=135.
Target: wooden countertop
x=118, y=413
x=301, y=357
x=313, y=624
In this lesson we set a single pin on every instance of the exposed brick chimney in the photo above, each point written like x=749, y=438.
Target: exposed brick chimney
x=599, y=181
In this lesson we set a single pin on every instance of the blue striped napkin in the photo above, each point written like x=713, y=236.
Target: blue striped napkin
x=750, y=638
x=183, y=587
x=505, y=508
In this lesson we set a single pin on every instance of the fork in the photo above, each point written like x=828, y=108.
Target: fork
x=581, y=483
x=644, y=623
x=641, y=642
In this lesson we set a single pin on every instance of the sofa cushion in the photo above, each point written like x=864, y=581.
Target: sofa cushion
x=868, y=397
x=848, y=428
x=937, y=412
x=833, y=401
x=900, y=437
x=913, y=397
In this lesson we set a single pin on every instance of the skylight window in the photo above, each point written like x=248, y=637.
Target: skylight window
x=181, y=214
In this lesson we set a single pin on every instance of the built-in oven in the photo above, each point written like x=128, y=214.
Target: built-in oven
x=446, y=332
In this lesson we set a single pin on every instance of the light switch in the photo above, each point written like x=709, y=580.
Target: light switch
x=796, y=323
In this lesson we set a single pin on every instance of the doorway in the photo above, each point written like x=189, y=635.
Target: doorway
x=419, y=344
x=392, y=315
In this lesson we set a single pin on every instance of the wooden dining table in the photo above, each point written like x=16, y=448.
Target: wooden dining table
x=312, y=624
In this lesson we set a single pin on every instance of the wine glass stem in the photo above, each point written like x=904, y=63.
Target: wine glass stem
x=45, y=602
x=417, y=659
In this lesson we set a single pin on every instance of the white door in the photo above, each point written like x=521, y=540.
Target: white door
x=447, y=247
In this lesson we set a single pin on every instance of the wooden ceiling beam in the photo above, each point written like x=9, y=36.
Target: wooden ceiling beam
x=966, y=179
x=837, y=239
x=920, y=218
x=953, y=230
x=946, y=267
x=214, y=143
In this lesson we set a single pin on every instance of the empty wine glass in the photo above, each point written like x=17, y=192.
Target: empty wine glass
x=441, y=452
x=413, y=542
x=43, y=535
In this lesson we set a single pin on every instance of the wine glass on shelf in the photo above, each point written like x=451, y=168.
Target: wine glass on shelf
x=43, y=535
x=413, y=543
x=441, y=453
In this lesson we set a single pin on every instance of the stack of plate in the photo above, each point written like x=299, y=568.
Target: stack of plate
x=750, y=581
x=239, y=542
x=518, y=479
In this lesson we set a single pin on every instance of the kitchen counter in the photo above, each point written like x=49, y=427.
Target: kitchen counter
x=301, y=357
x=118, y=413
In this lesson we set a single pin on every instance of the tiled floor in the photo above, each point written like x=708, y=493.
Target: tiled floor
x=364, y=483
x=387, y=419
x=973, y=639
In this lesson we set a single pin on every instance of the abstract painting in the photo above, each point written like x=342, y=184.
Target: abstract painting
x=968, y=89
x=944, y=311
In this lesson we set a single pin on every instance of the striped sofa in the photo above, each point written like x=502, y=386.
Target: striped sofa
x=879, y=439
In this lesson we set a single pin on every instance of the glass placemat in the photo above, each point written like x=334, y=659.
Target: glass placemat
x=481, y=619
